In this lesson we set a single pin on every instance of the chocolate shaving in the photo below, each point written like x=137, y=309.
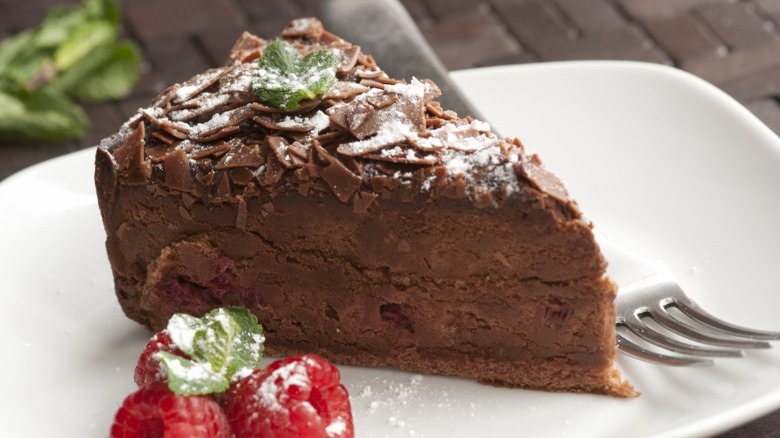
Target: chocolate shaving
x=384, y=185
x=359, y=118
x=405, y=155
x=233, y=118
x=382, y=100
x=188, y=199
x=221, y=133
x=387, y=80
x=247, y=48
x=289, y=125
x=456, y=189
x=341, y=180
x=369, y=73
x=327, y=38
x=223, y=186
x=185, y=213
x=343, y=90
x=306, y=106
x=298, y=150
x=530, y=168
x=348, y=58
x=200, y=84
x=131, y=153
x=214, y=150
x=241, y=176
x=484, y=199
x=163, y=138
x=178, y=173
x=363, y=201
x=400, y=121
x=176, y=130
x=279, y=146
x=205, y=106
x=303, y=27
x=329, y=137
x=240, y=155
x=372, y=83
x=273, y=171
x=386, y=138
x=241, y=213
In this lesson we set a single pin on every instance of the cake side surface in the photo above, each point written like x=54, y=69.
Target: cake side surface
x=370, y=226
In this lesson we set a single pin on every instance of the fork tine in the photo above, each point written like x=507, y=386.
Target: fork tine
x=645, y=332
x=638, y=352
x=694, y=311
x=669, y=322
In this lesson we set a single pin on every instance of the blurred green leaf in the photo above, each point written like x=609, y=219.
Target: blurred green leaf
x=106, y=73
x=11, y=47
x=107, y=10
x=40, y=115
x=57, y=25
x=73, y=53
x=84, y=38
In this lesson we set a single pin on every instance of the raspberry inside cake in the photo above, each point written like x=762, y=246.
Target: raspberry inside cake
x=368, y=225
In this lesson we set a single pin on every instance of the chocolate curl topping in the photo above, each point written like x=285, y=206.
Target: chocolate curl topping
x=369, y=137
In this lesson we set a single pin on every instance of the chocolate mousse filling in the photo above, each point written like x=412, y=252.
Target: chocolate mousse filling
x=368, y=225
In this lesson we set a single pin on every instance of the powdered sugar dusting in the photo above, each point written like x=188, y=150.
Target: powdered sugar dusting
x=215, y=122
x=394, y=129
x=182, y=332
x=408, y=404
x=274, y=389
x=318, y=122
x=415, y=89
x=336, y=428
x=368, y=119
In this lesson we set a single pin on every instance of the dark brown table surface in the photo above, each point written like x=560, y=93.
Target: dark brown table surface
x=734, y=44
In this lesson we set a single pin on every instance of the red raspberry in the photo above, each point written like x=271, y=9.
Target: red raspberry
x=296, y=397
x=154, y=411
x=148, y=370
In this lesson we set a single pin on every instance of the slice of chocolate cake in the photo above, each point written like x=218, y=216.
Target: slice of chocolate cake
x=357, y=219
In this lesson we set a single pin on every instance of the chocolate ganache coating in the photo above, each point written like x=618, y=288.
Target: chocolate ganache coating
x=370, y=226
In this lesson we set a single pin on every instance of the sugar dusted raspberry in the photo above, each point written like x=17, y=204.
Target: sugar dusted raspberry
x=148, y=370
x=295, y=397
x=154, y=411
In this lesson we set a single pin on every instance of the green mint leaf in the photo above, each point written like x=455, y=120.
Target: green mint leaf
x=73, y=53
x=58, y=24
x=107, y=73
x=61, y=21
x=226, y=342
x=107, y=10
x=12, y=47
x=214, y=341
x=182, y=328
x=284, y=78
x=188, y=377
x=248, y=347
x=38, y=114
x=85, y=38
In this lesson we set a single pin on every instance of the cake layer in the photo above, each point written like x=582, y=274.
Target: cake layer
x=370, y=226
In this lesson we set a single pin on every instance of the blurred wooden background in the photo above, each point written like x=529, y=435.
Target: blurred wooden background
x=735, y=44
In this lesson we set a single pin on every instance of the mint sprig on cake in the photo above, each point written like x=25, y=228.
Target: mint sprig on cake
x=284, y=77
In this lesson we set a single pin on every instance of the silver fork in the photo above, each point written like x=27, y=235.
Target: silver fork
x=657, y=322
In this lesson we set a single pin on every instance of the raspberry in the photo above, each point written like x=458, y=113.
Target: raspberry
x=299, y=396
x=148, y=369
x=154, y=411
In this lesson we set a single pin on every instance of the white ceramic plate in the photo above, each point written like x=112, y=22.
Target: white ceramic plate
x=662, y=162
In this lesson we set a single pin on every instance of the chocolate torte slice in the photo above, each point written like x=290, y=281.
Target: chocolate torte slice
x=365, y=223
